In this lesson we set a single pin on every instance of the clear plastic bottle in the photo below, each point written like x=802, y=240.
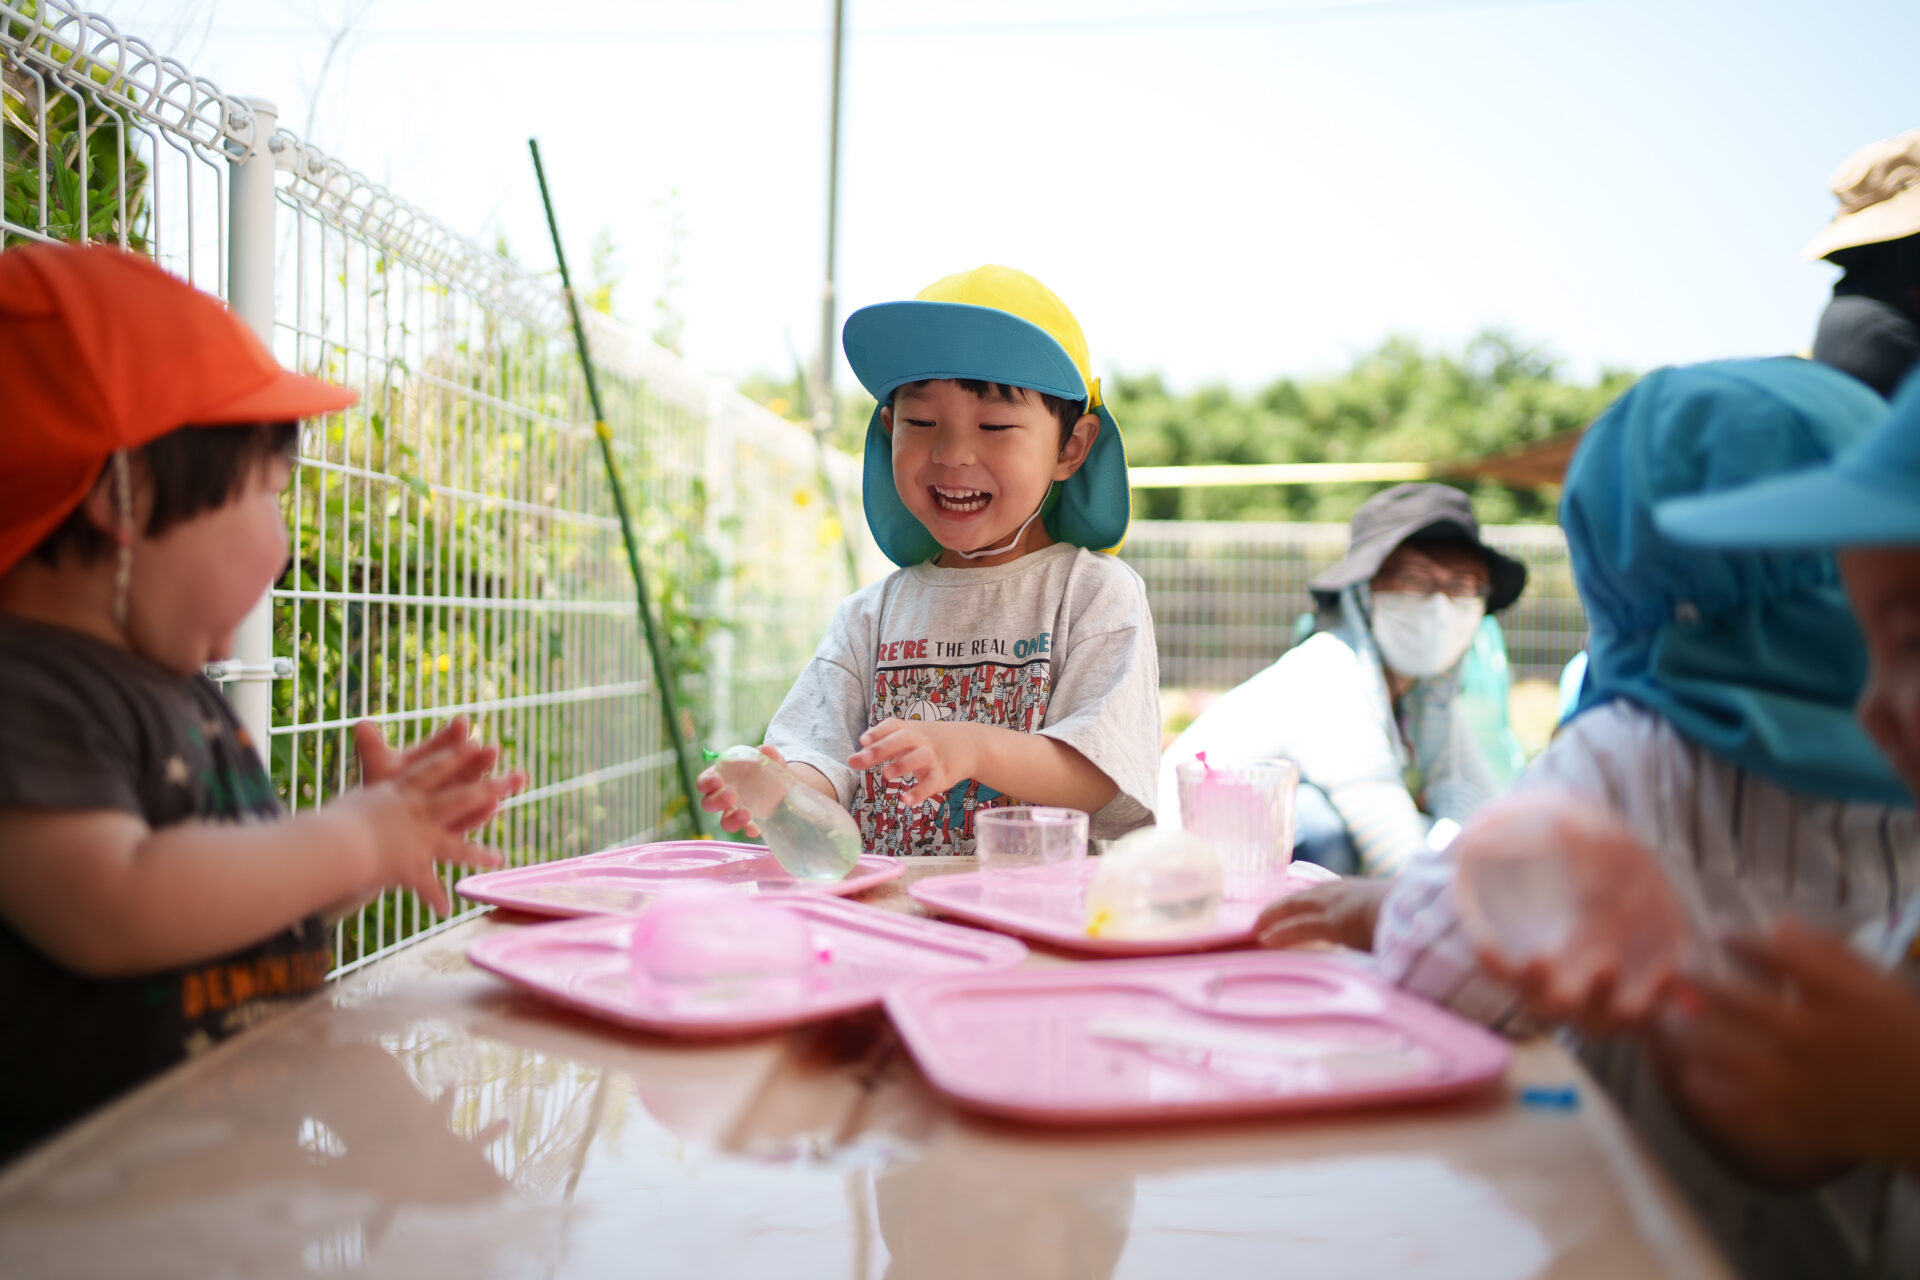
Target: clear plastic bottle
x=1154, y=884
x=812, y=837
x=1550, y=877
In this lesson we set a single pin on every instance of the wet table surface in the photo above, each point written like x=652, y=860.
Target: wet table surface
x=422, y=1118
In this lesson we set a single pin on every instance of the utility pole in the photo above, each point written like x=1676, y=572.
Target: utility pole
x=829, y=339
x=823, y=381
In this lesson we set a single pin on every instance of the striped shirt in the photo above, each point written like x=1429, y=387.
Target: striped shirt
x=1752, y=848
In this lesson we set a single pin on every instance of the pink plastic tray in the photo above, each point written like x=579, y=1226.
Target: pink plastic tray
x=588, y=965
x=1048, y=908
x=1189, y=1038
x=621, y=881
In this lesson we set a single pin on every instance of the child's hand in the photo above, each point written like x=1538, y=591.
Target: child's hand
x=717, y=797
x=936, y=754
x=415, y=816
x=379, y=762
x=1342, y=911
x=1817, y=1054
x=1588, y=997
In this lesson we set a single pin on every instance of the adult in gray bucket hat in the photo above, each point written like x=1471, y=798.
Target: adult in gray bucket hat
x=1424, y=514
x=1367, y=706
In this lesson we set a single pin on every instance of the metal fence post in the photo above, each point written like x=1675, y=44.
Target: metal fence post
x=250, y=275
x=717, y=470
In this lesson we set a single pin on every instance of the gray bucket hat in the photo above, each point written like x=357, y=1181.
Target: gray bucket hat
x=1407, y=511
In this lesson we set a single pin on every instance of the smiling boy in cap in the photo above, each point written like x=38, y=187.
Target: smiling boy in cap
x=153, y=896
x=1010, y=659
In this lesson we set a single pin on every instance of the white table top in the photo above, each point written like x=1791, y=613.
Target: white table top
x=422, y=1118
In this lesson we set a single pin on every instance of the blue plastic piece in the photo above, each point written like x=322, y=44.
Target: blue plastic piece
x=1550, y=1097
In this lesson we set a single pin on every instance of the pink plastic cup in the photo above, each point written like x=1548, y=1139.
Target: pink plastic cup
x=1244, y=809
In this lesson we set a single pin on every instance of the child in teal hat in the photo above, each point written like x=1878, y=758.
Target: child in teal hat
x=1716, y=727
x=1815, y=1050
x=1010, y=659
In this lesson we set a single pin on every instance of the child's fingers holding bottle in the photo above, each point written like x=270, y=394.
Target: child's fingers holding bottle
x=717, y=797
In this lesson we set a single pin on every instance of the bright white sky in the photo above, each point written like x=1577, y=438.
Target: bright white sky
x=1221, y=189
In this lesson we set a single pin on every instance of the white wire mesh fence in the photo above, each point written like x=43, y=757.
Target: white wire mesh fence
x=1226, y=596
x=455, y=546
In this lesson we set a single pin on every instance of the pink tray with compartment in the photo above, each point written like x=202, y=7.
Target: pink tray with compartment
x=1184, y=1039
x=589, y=965
x=1045, y=906
x=621, y=881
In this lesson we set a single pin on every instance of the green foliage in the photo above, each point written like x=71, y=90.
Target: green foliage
x=603, y=272
x=1398, y=403
x=70, y=163
x=428, y=522
x=787, y=397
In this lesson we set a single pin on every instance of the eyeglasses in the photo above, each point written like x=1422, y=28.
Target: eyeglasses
x=1462, y=586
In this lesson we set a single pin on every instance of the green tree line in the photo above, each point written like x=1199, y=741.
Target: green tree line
x=1399, y=402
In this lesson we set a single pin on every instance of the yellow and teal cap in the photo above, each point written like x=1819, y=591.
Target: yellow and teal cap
x=990, y=324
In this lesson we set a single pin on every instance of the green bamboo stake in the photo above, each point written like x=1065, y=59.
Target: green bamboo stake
x=662, y=667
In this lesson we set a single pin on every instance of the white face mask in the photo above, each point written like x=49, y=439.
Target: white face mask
x=1421, y=636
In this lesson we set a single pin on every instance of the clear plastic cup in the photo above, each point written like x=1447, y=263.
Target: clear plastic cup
x=1027, y=837
x=1244, y=809
x=1031, y=858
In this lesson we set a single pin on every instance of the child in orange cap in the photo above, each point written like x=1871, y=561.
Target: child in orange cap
x=153, y=896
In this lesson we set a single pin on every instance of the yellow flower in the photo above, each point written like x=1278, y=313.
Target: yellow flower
x=830, y=531
x=802, y=497
x=443, y=664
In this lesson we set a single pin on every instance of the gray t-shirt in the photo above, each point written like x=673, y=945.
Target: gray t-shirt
x=1058, y=642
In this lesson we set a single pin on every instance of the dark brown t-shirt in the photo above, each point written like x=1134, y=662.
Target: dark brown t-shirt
x=86, y=726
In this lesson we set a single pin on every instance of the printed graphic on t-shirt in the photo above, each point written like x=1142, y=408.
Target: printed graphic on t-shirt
x=987, y=681
x=221, y=770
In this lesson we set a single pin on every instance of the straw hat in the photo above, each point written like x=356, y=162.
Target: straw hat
x=1879, y=192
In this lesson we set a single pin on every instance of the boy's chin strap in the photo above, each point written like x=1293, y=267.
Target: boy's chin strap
x=1019, y=533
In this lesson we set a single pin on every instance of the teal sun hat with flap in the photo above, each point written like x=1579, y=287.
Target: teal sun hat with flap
x=1868, y=496
x=1752, y=652
x=990, y=324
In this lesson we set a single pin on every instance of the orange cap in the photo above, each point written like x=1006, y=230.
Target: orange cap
x=101, y=350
